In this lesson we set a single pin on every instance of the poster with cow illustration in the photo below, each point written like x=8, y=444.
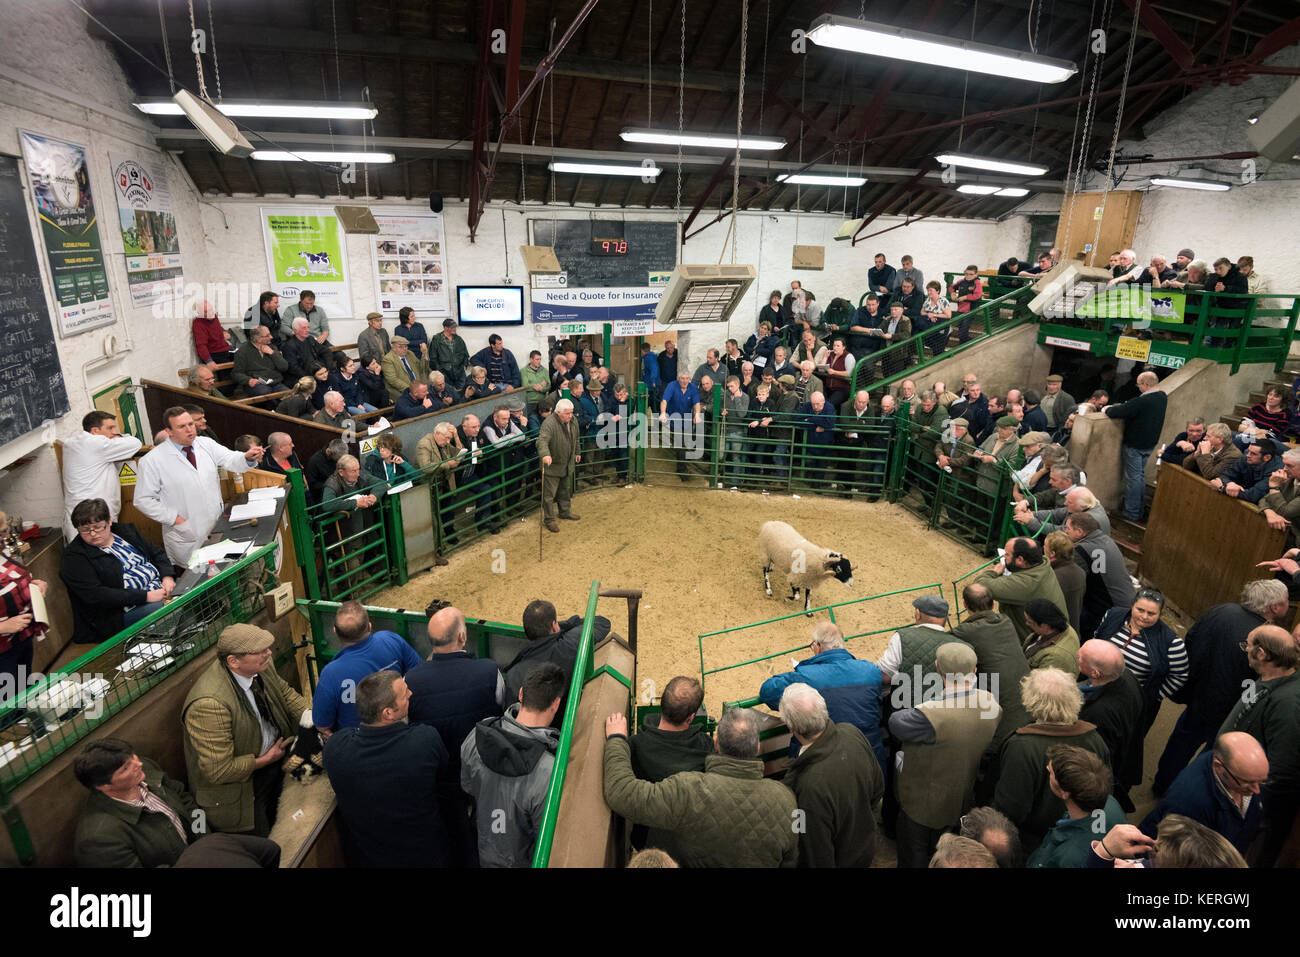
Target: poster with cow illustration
x=305, y=249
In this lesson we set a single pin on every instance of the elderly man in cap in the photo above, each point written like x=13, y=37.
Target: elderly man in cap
x=237, y=717
x=449, y=355
x=557, y=445
x=1057, y=404
x=402, y=367
x=372, y=342
x=909, y=654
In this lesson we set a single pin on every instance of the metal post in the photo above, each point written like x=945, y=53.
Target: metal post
x=300, y=526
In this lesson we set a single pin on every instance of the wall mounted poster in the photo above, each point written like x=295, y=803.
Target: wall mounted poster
x=66, y=210
x=144, y=213
x=410, y=260
x=305, y=250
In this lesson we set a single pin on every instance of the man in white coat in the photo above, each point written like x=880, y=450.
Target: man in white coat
x=90, y=465
x=178, y=486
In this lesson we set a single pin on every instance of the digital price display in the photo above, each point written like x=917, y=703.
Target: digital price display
x=609, y=247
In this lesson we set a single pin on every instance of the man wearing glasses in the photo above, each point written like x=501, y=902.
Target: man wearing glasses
x=237, y=717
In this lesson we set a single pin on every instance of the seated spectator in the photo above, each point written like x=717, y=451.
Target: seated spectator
x=1152, y=650
x=1054, y=644
x=1272, y=414
x=304, y=354
x=498, y=364
x=727, y=815
x=211, y=341
x=344, y=381
x=942, y=742
x=203, y=381
x=401, y=367
x=671, y=741
x=477, y=385
x=113, y=576
x=243, y=443
x=344, y=491
x=936, y=310
x=1255, y=283
x=994, y=830
x=387, y=464
x=1245, y=434
x=1191, y=279
x=771, y=313
x=505, y=767
x=954, y=851
x=1158, y=273
x=259, y=368
x=1107, y=585
x=1184, y=443
x=781, y=363
x=414, y=401
x=135, y=815
x=280, y=456
x=1112, y=700
x=385, y=775
x=372, y=343
x=200, y=416
x=265, y=313
x=851, y=687
x=1214, y=454
x=334, y=413
x=317, y=322
x=1219, y=790
x=1281, y=506
x=1083, y=783
x=412, y=331
x=1041, y=265
x=1247, y=479
x=761, y=346
x=1023, y=793
x=1128, y=269
x=373, y=388
x=550, y=640
x=322, y=464
x=836, y=780
x=443, y=395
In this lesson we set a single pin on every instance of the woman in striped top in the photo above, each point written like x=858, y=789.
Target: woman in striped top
x=1152, y=651
x=1272, y=414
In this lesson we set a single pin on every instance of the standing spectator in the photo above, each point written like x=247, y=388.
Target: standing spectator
x=306, y=308
x=967, y=292
x=1152, y=650
x=1009, y=268
x=881, y=279
x=680, y=407
x=1031, y=577
x=906, y=271
x=1056, y=404
x=615, y=414
x=1058, y=548
x=1054, y=643
x=533, y=379
x=1112, y=700
x=322, y=465
x=1250, y=477
x=836, y=779
x=671, y=741
x=998, y=655
x=385, y=776
x=91, y=460
x=449, y=355
x=19, y=631
x=1083, y=783
x=735, y=405
x=1106, y=580
x=211, y=341
x=280, y=456
x=386, y=464
x=1255, y=283
x=893, y=331
x=506, y=766
x=304, y=354
x=942, y=743
x=550, y=641
x=771, y=313
x=839, y=373
x=499, y=363
x=1144, y=417
x=668, y=362
x=650, y=373
x=373, y=342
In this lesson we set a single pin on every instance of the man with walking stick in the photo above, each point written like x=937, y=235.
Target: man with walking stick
x=557, y=444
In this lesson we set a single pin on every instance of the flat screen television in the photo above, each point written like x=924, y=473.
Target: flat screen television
x=490, y=305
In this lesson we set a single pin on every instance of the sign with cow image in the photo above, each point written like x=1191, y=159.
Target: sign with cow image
x=305, y=250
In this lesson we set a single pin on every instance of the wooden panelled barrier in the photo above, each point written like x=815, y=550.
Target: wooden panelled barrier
x=1201, y=546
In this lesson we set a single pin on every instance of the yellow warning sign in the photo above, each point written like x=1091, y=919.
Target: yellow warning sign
x=1130, y=348
x=126, y=474
x=367, y=445
x=1096, y=212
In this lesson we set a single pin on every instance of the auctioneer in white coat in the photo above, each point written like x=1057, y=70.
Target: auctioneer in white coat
x=169, y=486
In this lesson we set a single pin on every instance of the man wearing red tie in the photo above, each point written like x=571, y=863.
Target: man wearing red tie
x=178, y=486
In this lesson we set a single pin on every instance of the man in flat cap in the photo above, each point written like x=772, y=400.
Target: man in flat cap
x=1057, y=404
x=237, y=717
x=449, y=355
x=402, y=367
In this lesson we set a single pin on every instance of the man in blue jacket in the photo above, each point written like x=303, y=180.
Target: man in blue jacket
x=1220, y=789
x=499, y=363
x=852, y=687
x=818, y=421
x=650, y=373
x=364, y=652
x=1247, y=478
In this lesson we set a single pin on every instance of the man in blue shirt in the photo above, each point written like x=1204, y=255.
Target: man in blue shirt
x=363, y=653
x=680, y=407
x=650, y=372
x=818, y=421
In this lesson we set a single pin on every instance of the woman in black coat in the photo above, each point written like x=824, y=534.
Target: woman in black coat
x=109, y=590
x=1152, y=650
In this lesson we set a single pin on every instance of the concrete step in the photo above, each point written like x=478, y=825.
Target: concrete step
x=1231, y=421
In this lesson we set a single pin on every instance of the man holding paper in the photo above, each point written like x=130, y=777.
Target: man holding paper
x=178, y=486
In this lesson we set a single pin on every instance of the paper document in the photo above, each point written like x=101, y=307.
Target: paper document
x=219, y=551
x=257, y=508
x=400, y=488
x=266, y=492
x=39, y=615
x=379, y=425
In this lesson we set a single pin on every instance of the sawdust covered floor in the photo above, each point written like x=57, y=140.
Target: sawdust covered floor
x=692, y=552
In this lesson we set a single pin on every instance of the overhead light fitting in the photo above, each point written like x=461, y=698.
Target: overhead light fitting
x=604, y=169
x=992, y=165
x=1190, y=183
x=879, y=39
x=820, y=179
x=307, y=110
x=706, y=140
x=322, y=156
x=980, y=190
x=216, y=127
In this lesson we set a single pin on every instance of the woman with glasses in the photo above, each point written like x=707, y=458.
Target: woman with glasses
x=1152, y=651
x=114, y=577
x=18, y=629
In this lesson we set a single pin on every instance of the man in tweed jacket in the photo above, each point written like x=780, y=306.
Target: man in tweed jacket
x=236, y=719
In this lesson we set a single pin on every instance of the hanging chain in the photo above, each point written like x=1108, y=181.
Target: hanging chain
x=762, y=83
x=1076, y=170
x=216, y=64
x=1119, y=116
x=961, y=129
x=740, y=110
x=798, y=188
x=198, y=59
x=649, y=67
x=167, y=48
x=681, y=120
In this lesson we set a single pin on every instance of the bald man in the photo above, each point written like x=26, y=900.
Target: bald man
x=1112, y=700
x=1220, y=789
x=364, y=652
x=454, y=690
x=1144, y=417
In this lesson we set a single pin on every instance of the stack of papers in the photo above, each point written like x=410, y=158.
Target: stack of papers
x=219, y=552
x=271, y=492
x=256, y=508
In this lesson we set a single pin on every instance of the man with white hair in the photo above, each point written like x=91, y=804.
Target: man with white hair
x=1128, y=270
x=1023, y=793
x=1112, y=700
x=942, y=742
x=1281, y=505
x=557, y=445
x=836, y=780
x=304, y=353
x=806, y=382
x=1144, y=416
x=1214, y=454
x=1217, y=671
x=334, y=412
x=1077, y=501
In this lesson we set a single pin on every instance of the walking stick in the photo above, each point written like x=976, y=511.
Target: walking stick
x=541, y=519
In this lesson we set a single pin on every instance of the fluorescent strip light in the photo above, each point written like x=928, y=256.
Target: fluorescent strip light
x=321, y=156
x=603, y=169
x=878, y=39
x=708, y=140
x=1012, y=191
x=293, y=111
x=816, y=179
x=1190, y=184
x=981, y=190
x=993, y=165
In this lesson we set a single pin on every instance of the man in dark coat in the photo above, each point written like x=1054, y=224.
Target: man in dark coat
x=1143, y=417
x=836, y=780
x=1112, y=700
x=998, y=654
x=670, y=741
x=549, y=640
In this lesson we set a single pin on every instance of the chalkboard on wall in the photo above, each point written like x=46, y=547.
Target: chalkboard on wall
x=31, y=380
x=642, y=248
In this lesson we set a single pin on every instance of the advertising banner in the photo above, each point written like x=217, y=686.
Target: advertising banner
x=66, y=210
x=305, y=250
x=409, y=257
x=595, y=305
x=144, y=212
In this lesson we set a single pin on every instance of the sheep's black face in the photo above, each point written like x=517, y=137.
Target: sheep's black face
x=843, y=570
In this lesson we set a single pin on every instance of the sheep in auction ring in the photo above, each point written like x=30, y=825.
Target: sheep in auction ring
x=804, y=563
